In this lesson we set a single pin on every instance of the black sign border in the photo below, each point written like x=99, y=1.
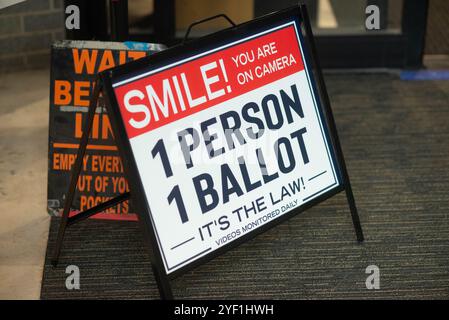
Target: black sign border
x=194, y=47
x=316, y=109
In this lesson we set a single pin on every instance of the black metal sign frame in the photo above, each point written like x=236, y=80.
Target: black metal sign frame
x=298, y=14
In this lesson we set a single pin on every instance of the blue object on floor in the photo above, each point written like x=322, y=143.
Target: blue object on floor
x=425, y=75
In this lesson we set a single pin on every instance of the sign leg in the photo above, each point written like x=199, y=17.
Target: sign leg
x=354, y=213
x=331, y=122
x=75, y=173
x=163, y=284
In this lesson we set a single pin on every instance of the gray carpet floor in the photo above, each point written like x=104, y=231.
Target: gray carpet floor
x=395, y=136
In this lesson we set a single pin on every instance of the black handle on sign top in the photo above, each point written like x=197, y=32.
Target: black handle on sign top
x=222, y=15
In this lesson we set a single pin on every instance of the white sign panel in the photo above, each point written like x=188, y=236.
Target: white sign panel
x=226, y=141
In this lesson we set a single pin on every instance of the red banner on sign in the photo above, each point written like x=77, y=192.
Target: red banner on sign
x=202, y=82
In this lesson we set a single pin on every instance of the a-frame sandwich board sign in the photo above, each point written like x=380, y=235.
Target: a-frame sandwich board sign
x=221, y=138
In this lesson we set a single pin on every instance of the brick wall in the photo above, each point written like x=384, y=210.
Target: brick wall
x=27, y=30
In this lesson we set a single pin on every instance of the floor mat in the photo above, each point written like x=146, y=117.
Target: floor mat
x=394, y=134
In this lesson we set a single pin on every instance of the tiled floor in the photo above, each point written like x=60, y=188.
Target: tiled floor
x=23, y=186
